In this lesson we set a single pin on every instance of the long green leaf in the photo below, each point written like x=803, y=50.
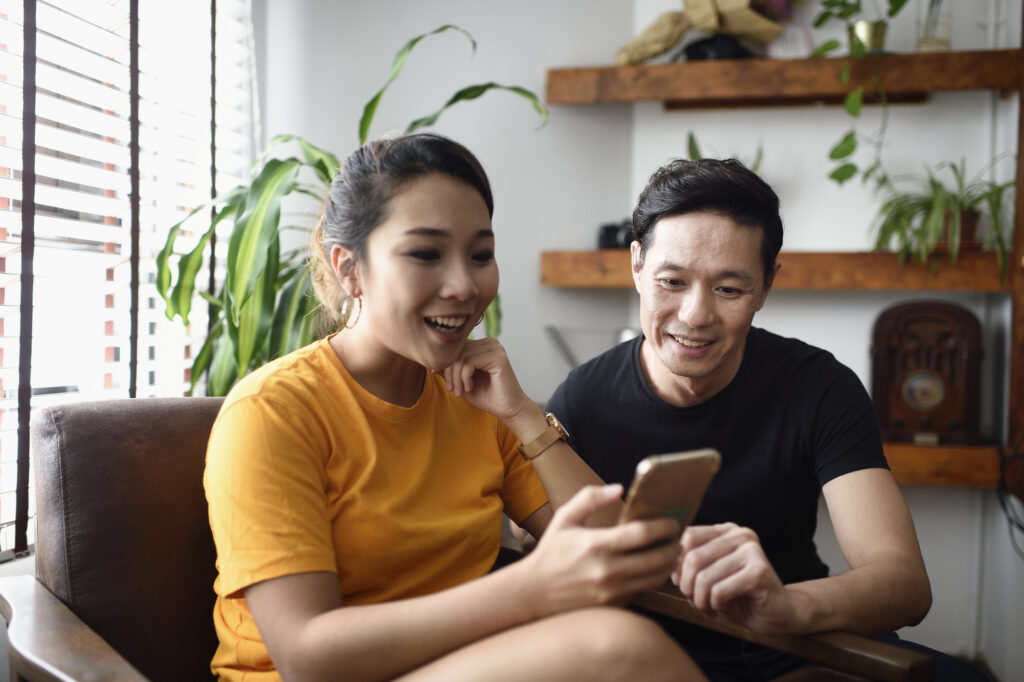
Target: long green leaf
x=202, y=362
x=294, y=305
x=692, y=149
x=257, y=314
x=222, y=374
x=825, y=48
x=189, y=265
x=255, y=229
x=474, y=91
x=163, y=268
x=370, y=109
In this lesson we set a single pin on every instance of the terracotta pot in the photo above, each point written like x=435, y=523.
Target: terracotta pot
x=968, y=232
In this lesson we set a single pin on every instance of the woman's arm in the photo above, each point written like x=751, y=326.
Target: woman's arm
x=484, y=377
x=311, y=637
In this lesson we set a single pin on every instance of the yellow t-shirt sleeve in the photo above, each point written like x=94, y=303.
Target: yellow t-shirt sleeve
x=265, y=485
x=523, y=493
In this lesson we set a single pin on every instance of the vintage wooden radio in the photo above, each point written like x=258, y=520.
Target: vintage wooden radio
x=926, y=366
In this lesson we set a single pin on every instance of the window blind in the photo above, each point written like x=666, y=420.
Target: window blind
x=135, y=114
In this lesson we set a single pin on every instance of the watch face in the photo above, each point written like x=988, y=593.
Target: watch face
x=924, y=390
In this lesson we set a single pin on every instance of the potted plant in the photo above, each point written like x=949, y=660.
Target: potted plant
x=265, y=305
x=923, y=215
x=866, y=36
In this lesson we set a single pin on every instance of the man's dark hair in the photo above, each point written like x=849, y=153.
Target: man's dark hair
x=723, y=187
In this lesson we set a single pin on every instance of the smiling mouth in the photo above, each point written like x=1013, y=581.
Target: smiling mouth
x=447, y=325
x=689, y=343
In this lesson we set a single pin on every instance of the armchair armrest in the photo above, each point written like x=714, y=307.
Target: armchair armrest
x=48, y=643
x=836, y=650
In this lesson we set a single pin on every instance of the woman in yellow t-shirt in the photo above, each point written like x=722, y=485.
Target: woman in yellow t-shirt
x=357, y=486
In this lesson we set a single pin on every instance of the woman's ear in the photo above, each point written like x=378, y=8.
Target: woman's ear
x=343, y=263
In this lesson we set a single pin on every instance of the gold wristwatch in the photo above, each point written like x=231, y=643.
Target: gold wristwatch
x=553, y=433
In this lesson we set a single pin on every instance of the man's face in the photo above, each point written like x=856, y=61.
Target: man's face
x=700, y=284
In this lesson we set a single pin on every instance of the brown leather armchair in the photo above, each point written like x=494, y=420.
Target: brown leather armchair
x=125, y=561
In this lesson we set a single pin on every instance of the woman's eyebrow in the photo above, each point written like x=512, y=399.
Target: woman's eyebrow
x=440, y=232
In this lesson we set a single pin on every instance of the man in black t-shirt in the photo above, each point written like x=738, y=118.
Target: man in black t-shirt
x=790, y=421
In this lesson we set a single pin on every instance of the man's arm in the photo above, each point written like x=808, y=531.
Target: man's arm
x=725, y=569
x=887, y=585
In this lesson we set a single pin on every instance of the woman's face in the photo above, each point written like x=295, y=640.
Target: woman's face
x=429, y=272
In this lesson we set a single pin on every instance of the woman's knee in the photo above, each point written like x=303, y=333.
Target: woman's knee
x=625, y=645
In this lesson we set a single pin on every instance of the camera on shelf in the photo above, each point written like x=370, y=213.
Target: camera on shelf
x=615, y=235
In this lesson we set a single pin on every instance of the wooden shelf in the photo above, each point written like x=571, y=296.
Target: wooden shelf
x=972, y=271
x=757, y=82
x=975, y=466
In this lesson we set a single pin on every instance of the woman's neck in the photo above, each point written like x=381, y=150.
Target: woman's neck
x=388, y=376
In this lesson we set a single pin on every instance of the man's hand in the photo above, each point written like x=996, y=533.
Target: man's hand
x=724, y=569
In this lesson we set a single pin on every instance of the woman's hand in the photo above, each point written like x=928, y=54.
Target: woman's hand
x=574, y=566
x=483, y=376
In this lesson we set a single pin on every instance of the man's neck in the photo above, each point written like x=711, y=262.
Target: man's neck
x=684, y=391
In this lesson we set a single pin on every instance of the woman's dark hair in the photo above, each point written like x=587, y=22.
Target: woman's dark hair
x=361, y=194
x=723, y=187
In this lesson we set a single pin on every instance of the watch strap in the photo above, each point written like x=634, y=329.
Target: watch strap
x=545, y=440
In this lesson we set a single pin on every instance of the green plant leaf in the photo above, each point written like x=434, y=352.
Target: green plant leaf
x=474, y=91
x=203, y=357
x=895, y=6
x=853, y=102
x=692, y=149
x=869, y=171
x=255, y=229
x=292, y=326
x=256, y=315
x=190, y=264
x=825, y=48
x=847, y=145
x=758, y=159
x=844, y=74
x=822, y=19
x=370, y=109
x=492, y=317
x=843, y=173
x=222, y=375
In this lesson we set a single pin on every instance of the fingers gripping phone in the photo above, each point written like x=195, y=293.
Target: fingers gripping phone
x=671, y=485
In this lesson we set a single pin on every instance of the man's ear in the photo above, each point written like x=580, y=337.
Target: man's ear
x=344, y=265
x=636, y=262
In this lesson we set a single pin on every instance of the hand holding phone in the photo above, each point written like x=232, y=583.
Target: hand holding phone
x=671, y=485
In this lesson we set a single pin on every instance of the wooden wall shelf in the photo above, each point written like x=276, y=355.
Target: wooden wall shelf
x=787, y=82
x=975, y=466
x=756, y=82
x=972, y=271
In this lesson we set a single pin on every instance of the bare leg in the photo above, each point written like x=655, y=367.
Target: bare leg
x=588, y=644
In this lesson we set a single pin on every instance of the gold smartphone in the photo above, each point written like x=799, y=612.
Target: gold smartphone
x=671, y=485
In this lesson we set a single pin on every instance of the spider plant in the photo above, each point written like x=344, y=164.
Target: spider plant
x=917, y=221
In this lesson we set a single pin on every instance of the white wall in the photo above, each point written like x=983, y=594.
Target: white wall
x=555, y=185
x=552, y=186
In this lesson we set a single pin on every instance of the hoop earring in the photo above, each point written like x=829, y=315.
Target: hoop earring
x=350, y=302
